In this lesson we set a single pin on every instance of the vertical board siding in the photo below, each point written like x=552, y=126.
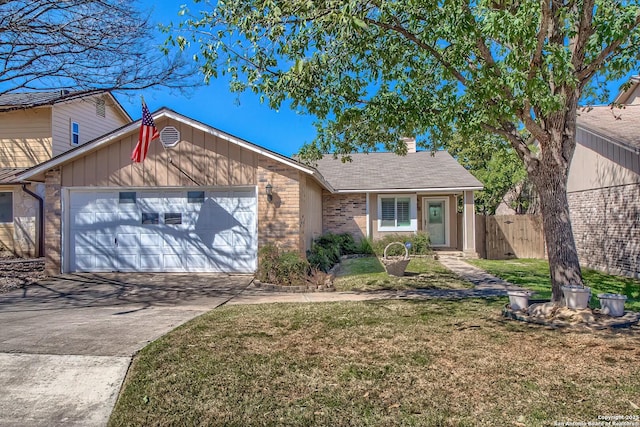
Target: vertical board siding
x=513, y=236
x=311, y=213
x=209, y=160
x=26, y=137
x=83, y=112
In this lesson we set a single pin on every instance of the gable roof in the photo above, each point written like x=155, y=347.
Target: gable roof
x=389, y=172
x=164, y=112
x=25, y=100
x=620, y=126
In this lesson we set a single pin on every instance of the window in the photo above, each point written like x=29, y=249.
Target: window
x=173, y=218
x=75, y=133
x=100, y=110
x=150, y=218
x=6, y=206
x=127, y=197
x=195, y=196
x=397, y=213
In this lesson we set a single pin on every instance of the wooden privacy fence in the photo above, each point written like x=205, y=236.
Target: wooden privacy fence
x=510, y=236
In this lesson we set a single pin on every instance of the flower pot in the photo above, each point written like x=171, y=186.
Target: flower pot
x=575, y=297
x=519, y=300
x=612, y=304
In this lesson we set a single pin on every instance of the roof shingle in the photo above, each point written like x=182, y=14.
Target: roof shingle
x=388, y=171
x=619, y=124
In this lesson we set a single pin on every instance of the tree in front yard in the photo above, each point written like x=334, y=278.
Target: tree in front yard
x=375, y=71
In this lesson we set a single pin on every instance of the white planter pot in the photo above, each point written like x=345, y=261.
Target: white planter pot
x=575, y=297
x=519, y=300
x=612, y=304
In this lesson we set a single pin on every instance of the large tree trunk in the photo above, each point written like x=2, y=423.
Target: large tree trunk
x=551, y=183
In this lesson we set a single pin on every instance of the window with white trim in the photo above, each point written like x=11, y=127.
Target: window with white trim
x=6, y=207
x=75, y=133
x=397, y=213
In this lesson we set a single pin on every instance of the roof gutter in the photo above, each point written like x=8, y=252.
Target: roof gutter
x=40, y=233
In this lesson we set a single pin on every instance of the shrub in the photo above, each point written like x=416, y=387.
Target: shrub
x=365, y=247
x=281, y=268
x=328, y=248
x=420, y=244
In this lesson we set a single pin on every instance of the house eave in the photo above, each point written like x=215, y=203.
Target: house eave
x=411, y=190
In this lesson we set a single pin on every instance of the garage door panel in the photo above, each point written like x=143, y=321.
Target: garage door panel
x=217, y=235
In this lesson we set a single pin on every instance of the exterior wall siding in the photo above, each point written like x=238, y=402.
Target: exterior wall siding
x=25, y=137
x=208, y=160
x=311, y=210
x=344, y=213
x=606, y=226
x=598, y=163
x=53, y=222
x=279, y=220
x=19, y=237
x=83, y=112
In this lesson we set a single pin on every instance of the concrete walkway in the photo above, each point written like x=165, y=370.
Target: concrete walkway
x=66, y=343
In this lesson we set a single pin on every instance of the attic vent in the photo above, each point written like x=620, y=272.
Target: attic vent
x=100, y=107
x=169, y=136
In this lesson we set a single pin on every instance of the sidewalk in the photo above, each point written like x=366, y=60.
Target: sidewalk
x=485, y=286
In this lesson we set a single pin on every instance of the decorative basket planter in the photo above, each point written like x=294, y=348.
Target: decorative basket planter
x=612, y=304
x=575, y=297
x=395, y=265
x=519, y=300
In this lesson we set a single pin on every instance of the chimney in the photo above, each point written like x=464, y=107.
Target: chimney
x=411, y=144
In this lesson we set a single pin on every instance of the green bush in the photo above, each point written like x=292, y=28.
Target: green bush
x=420, y=244
x=281, y=268
x=365, y=247
x=328, y=248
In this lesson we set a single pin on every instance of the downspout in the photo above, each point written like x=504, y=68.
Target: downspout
x=40, y=233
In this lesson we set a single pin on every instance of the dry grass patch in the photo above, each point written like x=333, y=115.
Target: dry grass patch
x=367, y=274
x=439, y=363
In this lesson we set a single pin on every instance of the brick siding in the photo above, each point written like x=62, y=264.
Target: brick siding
x=606, y=226
x=279, y=220
x=344, y=213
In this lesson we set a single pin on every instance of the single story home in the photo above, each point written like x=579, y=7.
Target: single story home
x=205, y=201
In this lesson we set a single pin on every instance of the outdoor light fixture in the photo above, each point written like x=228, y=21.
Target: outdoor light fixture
x=269, y=189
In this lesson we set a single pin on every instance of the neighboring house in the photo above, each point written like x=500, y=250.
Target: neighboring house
x=604, y=185
x=200, y=201
x=34, y=127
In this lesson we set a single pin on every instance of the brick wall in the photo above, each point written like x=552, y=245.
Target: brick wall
x=279, y=220
x=606, y=226
x=52, y=222
x=344, y=213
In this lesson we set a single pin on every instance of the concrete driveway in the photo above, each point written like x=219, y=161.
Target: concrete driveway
x=66, y=343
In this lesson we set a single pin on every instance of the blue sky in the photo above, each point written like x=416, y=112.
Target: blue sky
x=282, y=131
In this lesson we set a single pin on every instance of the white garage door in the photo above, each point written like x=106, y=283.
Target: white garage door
x=163, y=231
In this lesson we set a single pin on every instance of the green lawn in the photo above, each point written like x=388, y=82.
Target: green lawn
x=383, y=363
x=367, y=274
x=534, y=274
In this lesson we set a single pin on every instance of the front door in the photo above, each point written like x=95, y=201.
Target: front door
x=435, y=220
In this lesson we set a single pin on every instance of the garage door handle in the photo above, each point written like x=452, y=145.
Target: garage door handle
x=116, y=241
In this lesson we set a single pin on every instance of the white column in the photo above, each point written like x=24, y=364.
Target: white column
x=469, y=224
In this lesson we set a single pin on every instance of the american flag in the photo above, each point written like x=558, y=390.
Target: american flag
x=148, y=132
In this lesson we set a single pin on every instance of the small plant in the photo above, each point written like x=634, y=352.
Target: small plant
x=417, y=244
x=365, y=247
